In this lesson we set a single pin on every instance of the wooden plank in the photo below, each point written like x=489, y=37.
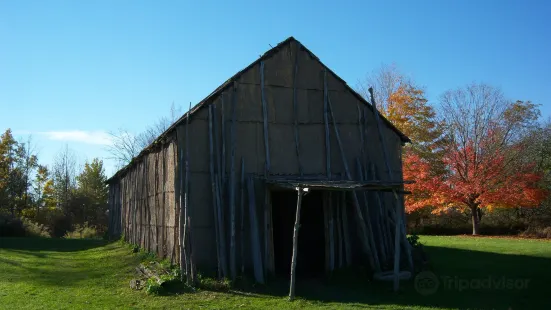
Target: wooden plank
x=295, y=245
x=255, y=238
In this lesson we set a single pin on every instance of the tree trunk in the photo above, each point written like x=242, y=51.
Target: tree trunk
x=475, y=219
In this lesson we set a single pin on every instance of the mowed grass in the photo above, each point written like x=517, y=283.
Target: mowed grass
x=93, y=274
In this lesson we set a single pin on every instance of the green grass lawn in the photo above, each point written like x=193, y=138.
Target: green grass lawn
x=86, y=274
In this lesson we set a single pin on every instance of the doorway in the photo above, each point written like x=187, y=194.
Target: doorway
x=311, y=238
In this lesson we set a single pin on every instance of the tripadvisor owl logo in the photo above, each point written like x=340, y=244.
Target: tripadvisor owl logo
x=427, y=283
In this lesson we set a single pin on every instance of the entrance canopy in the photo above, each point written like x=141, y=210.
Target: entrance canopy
x=339, y=185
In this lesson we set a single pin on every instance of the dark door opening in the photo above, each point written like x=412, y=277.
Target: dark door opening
x=311, y=238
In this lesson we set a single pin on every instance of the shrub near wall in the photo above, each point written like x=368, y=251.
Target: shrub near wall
x=11, y=226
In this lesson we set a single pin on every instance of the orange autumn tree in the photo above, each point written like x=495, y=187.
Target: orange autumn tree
x=403, y=103
x=484, y=155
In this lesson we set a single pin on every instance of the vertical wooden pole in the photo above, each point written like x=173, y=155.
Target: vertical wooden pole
x=331, y=231
x=187, y=240
x=255, y=238
x=220, y=181
x=213, y=180
x=233, y=271
x=300, y=192
x=221, y=228
x=339, y=228
x=265, y=120
x=326, y=232
x=242, y=211
x=346, y=232
x=326, y=122
x=295, y=109
x=223, y=133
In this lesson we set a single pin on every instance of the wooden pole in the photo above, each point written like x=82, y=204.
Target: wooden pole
x=295, y=109
x=183, y=262
x=325, y=207
x=255, y=238
x=187, y=230
x=265, y=120
x=242, y=211
x=222, y=173
x=220, y=180
x=214, y=190
x=372, y=219
x=331, y=232
x=221, y=229
x=326, y=122
x=300, y=192
x=233, y=271
x=398, y=208
x=347, y=249
x=366, y=234
x=192, y=266
x=339, y=228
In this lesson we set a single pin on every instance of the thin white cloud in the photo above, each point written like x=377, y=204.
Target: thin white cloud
x=90, y=137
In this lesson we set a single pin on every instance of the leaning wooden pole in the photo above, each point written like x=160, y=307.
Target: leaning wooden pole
x=366, y=231
x=398, y=214
x=300, y=192
x=183, y=261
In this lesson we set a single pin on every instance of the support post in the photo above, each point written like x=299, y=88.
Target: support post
x=213, y=180
x=233, y=272
x=300, y=192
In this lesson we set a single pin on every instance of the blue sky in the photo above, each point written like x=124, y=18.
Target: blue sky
x=71, y=71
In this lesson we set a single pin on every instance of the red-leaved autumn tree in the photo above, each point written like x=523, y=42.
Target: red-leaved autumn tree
x=484, y=156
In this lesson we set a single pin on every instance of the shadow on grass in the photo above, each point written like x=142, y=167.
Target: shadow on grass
x=50, y=244
x=43, y=261
x=466, y=279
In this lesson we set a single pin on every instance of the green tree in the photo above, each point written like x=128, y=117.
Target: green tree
x=91, y=193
